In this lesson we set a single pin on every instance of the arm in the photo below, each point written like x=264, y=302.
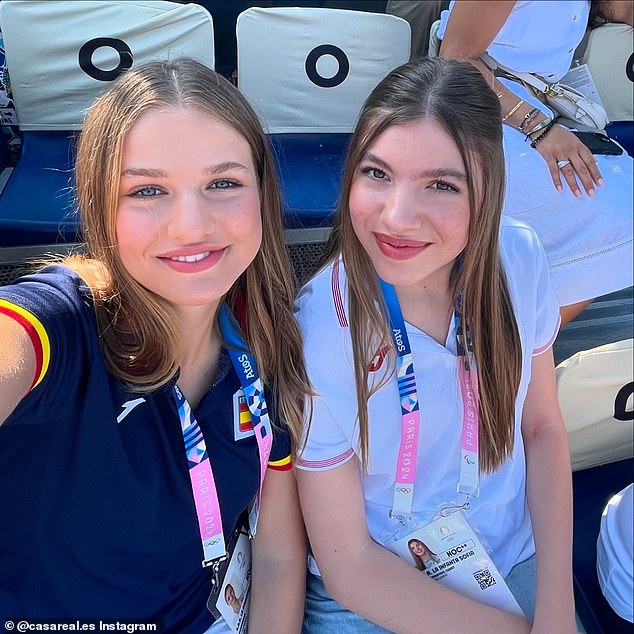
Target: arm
x=620, y=11
x=471, y=28
x=370, y=580
x=17, y=365
x=549, y=493
x=279, y=556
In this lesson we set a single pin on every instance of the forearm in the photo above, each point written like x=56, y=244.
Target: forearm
x=278, y=582
x=549, y=493
x=516, y=113
x=277, y=596
x=384, y=589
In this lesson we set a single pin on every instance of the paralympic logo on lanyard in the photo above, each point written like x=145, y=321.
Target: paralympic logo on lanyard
x=468, y=482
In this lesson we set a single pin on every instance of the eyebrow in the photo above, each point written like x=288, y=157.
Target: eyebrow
x=211, y=170
x=437, y=172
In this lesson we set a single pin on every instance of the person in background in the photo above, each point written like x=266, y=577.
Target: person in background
x=129, y=453
x=579, y=203
x=428, y=341
x=615, y=553
x=420, y=15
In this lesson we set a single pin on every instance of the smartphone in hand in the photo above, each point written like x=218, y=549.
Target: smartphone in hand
x=599, y=143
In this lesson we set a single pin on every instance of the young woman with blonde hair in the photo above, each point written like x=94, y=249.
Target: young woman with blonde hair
x=145, y=387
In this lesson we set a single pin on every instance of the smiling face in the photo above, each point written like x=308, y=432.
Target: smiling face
x=409, y=205
x=418, y=548
x=188, y=218
x=231, y=598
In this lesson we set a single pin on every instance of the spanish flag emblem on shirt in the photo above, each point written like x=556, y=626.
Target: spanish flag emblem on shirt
x=242, y=426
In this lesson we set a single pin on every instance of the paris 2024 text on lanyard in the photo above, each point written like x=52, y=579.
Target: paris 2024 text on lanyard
x=454, y=555
x=200, y=472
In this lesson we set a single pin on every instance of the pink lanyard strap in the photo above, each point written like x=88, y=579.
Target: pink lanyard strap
x=200, y=471
x=468, y=481
x=204, y=485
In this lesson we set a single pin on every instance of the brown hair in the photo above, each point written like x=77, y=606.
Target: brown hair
x=456, y=95
x=138, y=335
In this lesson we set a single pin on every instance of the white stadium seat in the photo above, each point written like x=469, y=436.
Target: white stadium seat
x=310, y=69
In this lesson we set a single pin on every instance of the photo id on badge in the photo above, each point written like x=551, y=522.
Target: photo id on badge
x=229, y=598
x=449, y=551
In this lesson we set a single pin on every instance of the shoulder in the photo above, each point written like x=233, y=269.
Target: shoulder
x=47, y=289
x=321, y=306
x=521, y=250
x=528, y=279
x=52, y=301
x=54, y=306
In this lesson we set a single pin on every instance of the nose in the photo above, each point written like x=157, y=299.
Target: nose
x=190, y=218
x=401, y=210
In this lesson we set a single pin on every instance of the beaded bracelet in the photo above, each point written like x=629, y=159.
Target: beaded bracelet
x=540, y=126
x=546, y=130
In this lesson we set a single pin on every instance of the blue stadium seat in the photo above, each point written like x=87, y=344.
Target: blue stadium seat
x=36, y=205
x=623, y=132
x=309, y=167
x=592, y=488
x=60, y=57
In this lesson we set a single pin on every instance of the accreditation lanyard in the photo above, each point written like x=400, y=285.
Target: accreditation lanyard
x=468, y=482
x=200, y=472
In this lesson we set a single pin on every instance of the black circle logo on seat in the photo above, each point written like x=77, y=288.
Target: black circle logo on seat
x=338, y=77
x=88, y=49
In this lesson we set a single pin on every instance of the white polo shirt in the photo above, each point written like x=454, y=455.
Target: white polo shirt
x=500, y=514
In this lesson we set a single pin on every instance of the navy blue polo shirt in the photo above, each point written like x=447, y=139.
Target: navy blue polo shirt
x=97, y=515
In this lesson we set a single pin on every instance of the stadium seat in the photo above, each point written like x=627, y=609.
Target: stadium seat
x=609, y=53
x=595, y=391
x=61, y=56
x=592, y=488
x=307, y=71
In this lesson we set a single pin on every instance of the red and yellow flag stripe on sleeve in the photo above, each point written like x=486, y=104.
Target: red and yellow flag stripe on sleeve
x=37, y=335
x=281, y=465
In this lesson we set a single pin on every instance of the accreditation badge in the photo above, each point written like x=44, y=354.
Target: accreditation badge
x=448, y=550
x=229, y=598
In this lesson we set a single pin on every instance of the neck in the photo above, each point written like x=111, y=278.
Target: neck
x=199, y=351
x=428, y=307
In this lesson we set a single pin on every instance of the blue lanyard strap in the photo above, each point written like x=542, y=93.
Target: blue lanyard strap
x=247, y=369
x=405, y=478
x=468, y=482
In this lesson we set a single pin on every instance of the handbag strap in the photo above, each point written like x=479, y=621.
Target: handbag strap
x=527, y=78
x=539, y=85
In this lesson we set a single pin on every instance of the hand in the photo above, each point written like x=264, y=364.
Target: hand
x=562, y=145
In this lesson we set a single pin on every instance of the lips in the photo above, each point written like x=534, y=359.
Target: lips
x=399, y=248
x=192, y=259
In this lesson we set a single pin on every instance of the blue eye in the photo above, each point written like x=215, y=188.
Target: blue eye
x=147, y=191
x=223, y=184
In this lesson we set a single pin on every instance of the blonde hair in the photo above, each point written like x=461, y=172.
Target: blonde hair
x=456, y=95
x=137, y=328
